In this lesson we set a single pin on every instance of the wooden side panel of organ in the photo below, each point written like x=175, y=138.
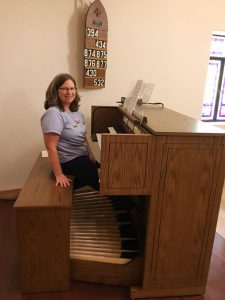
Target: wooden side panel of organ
x=186, y=193
x=126, y=164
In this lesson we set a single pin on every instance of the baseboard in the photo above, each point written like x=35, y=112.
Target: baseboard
x=9, y=194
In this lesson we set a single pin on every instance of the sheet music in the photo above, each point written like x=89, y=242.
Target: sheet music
x=136, y=90
x=142, y=90
x=131, y=101
x=146, y=92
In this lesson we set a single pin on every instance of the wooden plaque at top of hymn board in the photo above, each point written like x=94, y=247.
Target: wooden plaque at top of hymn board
x=95, y=46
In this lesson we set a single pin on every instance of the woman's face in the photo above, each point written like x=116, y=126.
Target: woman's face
x=67, y=93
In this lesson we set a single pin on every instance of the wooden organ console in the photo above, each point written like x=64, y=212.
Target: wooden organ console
x=152, y=225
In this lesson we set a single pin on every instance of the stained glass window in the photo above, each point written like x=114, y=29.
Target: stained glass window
x=211, y=90
x=217, y=46
x=221, y=110
x=214, y=100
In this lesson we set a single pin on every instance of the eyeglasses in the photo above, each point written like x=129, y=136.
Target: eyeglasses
x=66, y=89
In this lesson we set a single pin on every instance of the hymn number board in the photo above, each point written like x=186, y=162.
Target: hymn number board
x=95, y=46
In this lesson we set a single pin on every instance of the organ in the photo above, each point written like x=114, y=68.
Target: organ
x=152, y=224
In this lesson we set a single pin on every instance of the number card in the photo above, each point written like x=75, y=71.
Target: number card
x=95, y=46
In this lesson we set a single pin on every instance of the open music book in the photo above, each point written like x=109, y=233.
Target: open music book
x=141, y=91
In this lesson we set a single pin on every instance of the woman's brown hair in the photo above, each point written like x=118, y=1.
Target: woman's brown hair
x=52, y=98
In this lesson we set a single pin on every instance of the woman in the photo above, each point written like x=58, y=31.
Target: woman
x=64, y=134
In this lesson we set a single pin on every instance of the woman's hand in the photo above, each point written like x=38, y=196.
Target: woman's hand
x=51, y=141
x=62, y=180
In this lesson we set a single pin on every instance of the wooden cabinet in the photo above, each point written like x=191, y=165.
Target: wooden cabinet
x=180, y=164
x=175, y=165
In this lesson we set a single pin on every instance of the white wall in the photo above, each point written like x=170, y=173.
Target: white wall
x=165, y=42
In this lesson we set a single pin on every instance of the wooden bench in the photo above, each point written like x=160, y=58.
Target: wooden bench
x=42, y=216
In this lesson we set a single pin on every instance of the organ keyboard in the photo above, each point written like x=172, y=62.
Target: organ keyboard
x=152, y=225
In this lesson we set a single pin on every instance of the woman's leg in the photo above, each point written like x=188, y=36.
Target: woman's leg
x=84, y=171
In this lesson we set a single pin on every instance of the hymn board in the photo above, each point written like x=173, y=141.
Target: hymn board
x=95, y=46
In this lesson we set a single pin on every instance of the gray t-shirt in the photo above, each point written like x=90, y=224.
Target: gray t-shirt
x=71, y=129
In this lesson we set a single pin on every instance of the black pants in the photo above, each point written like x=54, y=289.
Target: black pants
x=85, y=171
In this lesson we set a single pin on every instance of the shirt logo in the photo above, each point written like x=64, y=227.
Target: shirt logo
x=76, y=123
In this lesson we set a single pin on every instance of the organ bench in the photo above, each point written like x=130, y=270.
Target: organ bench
x=164, y=173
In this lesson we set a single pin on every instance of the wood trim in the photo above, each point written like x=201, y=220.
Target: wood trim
x=9, y=194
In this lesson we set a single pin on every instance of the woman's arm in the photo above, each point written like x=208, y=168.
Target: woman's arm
x=51, y=141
